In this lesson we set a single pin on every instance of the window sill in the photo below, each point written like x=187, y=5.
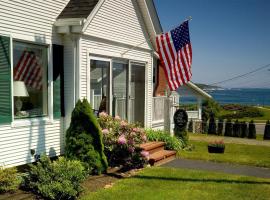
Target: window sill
x=31, y=122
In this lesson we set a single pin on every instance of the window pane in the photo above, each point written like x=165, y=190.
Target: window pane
x=30, y=89
x=100, y=85
x=120, y=89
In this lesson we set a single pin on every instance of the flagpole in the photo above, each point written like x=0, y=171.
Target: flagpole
x=149, y=38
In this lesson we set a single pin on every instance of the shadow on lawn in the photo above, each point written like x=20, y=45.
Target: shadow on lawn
x=200, y=180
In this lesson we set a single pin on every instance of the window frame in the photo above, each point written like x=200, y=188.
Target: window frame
x=48, y=119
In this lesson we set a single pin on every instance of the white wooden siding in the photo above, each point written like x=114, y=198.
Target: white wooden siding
x=121, y=21
x=30, y=21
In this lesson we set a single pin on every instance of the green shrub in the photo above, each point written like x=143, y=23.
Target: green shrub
x=212, y=129
x=121, y=141
x=244, y=130
x=228, y=128
x=241, y=111
x=84, y=139
x=209, y=107
x=266, y=135
x=190, y=126
x=182, y=134
x=9, y=180
x=55, y=180
x=236, y=129
x=251, y=130
x=220, y=127
x=171, y=142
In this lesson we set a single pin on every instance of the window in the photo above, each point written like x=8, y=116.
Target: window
x=30, y=88
x=100, y=85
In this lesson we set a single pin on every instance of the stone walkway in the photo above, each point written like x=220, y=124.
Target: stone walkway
x=220, y=167
x=234, y=140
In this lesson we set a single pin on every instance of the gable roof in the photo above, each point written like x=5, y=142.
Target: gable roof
x=78, y=9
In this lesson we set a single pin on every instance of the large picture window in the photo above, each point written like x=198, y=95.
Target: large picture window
x=30, y=88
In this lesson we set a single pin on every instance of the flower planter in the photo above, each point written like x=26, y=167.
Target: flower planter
x=215, y=149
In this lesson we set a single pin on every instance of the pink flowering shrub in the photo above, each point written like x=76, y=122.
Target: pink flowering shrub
x=121, y=142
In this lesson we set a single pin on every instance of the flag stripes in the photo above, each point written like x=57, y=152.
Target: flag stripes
x=29, y=70
x=175, y=53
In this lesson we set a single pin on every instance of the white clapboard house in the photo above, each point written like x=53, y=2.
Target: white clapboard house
x=55, y=52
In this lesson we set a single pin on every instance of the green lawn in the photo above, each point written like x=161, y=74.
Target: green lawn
x=168, y=183
x=234, y=153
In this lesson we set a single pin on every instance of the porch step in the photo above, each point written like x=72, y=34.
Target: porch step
x=157, y=154
x=153, y=147
x=161, y=157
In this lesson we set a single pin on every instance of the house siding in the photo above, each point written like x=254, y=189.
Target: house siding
x=30, y=21
x=113, y=32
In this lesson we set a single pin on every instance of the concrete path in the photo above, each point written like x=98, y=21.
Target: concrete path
x=220, y=167
x=234, y=140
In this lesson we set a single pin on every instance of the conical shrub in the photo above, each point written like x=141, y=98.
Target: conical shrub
x=212, y=129
x=228, y=128
x=84, y=139
x=190, y=126
x=266, y=135
x=236, y=129
x=220, y=126
x=251, y=130
x=244, y=130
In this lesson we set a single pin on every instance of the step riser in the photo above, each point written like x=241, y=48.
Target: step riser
x=163, y=161
x=156, y=150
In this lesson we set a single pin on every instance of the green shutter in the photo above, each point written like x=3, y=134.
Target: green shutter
x=58, y=81
x=5, y=81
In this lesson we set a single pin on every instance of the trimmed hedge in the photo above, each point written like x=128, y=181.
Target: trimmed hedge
x=228, y=128
x=212, y=129
x=251, y=130
x=220, y=126
x=266, y=135
x=244, y=130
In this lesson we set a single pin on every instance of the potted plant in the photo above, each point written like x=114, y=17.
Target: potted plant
x=216, y=146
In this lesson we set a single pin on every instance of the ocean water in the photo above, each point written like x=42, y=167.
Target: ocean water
x=247, y=96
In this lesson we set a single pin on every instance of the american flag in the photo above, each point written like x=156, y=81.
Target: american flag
x=175, y=53
x=29, y=70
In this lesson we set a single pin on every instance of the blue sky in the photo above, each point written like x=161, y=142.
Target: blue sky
x=229, y=37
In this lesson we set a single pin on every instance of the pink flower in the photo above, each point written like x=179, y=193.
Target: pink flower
x=131, y=141
x=131, y=149
x=144, y=138
x=105, y=131
x=117, y=118
x=133, y=134
x=145, y=154
x=135, y=129
x=103, y=114
x=122, y=140
x=123, y=123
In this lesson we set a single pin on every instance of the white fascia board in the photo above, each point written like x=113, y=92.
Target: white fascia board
x=199, y=90
x=70, y=22
x=92, y=15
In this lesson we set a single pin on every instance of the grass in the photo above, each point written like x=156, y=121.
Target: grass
x=234, y=153
x=169, y=183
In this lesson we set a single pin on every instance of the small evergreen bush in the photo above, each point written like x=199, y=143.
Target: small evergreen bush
x=58, y=180
x=266, y=135
x=244, y=130
x=84, y=139
x=228, y=128
x=190, y=126
x=236, y=129
x=212, y=129
x=171, y=142
x=220, y=126
x=251, y=130
x=182, y=134
x=9, y=180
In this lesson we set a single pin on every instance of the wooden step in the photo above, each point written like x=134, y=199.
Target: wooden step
x=161, y=157
x=153, y=147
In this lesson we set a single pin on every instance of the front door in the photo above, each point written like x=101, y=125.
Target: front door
x=136, y=92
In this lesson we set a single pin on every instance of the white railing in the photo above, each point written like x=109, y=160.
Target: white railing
x=158, y=109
